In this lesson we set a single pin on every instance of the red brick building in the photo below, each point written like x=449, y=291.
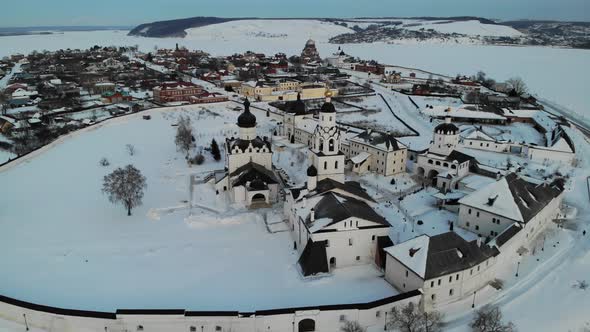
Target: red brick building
x=370, y=68
x=185, y=91
x=176, y=91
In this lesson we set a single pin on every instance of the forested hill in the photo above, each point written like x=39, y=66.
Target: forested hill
x=175, y=28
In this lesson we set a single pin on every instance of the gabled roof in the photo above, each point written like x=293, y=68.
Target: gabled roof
x=432, y=257
x=460, y=156
x=514, y=198
x=251, y=172
x=333, y=208
x=479, y=135
x=378, y=139
x=351, y=187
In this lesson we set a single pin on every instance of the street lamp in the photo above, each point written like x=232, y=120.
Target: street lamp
x=473, y=304
x=385, y=325
x=517, y=267
x=26, y=324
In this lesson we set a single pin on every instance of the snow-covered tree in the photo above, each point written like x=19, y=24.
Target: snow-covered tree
x=184, y=135
x=489, y=319
x=125, y=185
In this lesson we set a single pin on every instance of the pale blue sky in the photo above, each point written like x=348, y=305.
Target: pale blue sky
x=132, y=12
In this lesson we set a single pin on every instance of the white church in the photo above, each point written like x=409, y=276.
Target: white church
x=442, y=164
x=248, y=174
x=332, y=221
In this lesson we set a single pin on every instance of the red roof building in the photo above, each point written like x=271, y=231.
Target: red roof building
x=176, y=91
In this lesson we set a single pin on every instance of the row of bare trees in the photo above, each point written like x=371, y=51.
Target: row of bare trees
x=411, y=318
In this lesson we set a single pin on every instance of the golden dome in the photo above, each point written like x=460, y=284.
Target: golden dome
x=328, y=93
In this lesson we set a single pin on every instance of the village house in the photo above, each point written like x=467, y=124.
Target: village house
x=115, y=97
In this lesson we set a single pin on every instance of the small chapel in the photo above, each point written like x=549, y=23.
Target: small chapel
x=249, y=177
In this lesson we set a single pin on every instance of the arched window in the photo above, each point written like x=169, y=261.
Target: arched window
x=430, y=161
x=336, y=164
x=331, y=145
x=325, y=165
x=321, y=144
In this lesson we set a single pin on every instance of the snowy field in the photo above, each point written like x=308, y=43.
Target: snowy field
x=562, y=82
x=74, y=249
x=370, y=112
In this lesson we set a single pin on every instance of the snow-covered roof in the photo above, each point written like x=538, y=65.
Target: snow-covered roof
x=503, y=202
x=460, y=113
x=514, y=197
x=361, y=157
x=479, y=135
x=562, y=145
x=413, y=254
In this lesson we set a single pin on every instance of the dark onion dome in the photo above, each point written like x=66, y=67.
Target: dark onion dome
x=298, y=106
x=328, y=107
x=312, y=171
x=247, y=119
x=446, y=128
x=257, y=184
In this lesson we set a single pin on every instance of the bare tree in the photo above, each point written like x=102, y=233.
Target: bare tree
x=489, y=319
x=411, y=318
x=125, y=185
x=352, y=326
x=518, y=86
x=184, y=135
x=431, y=321
x=405, y=319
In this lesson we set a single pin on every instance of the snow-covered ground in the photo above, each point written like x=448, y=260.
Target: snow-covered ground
x=267, y=29
x=71, y=237
x=72, y=248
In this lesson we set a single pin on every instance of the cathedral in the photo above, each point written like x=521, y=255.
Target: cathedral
x=310, y=53
x=248, y=172
x=332, y=221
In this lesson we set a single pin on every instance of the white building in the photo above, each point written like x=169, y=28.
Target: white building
x=249, y=174
x=333, y=224
x=494, y=208
x=442, y=163
x=325, y=152
x=373, y=151
x=445, y=267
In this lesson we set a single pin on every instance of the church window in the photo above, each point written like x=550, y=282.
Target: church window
x=325, y=165
x=350, y=241
x=336, y=164
x=331, y=145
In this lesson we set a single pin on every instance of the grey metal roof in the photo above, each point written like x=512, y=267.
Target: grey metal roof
x=338, y=208
x=449, y=253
